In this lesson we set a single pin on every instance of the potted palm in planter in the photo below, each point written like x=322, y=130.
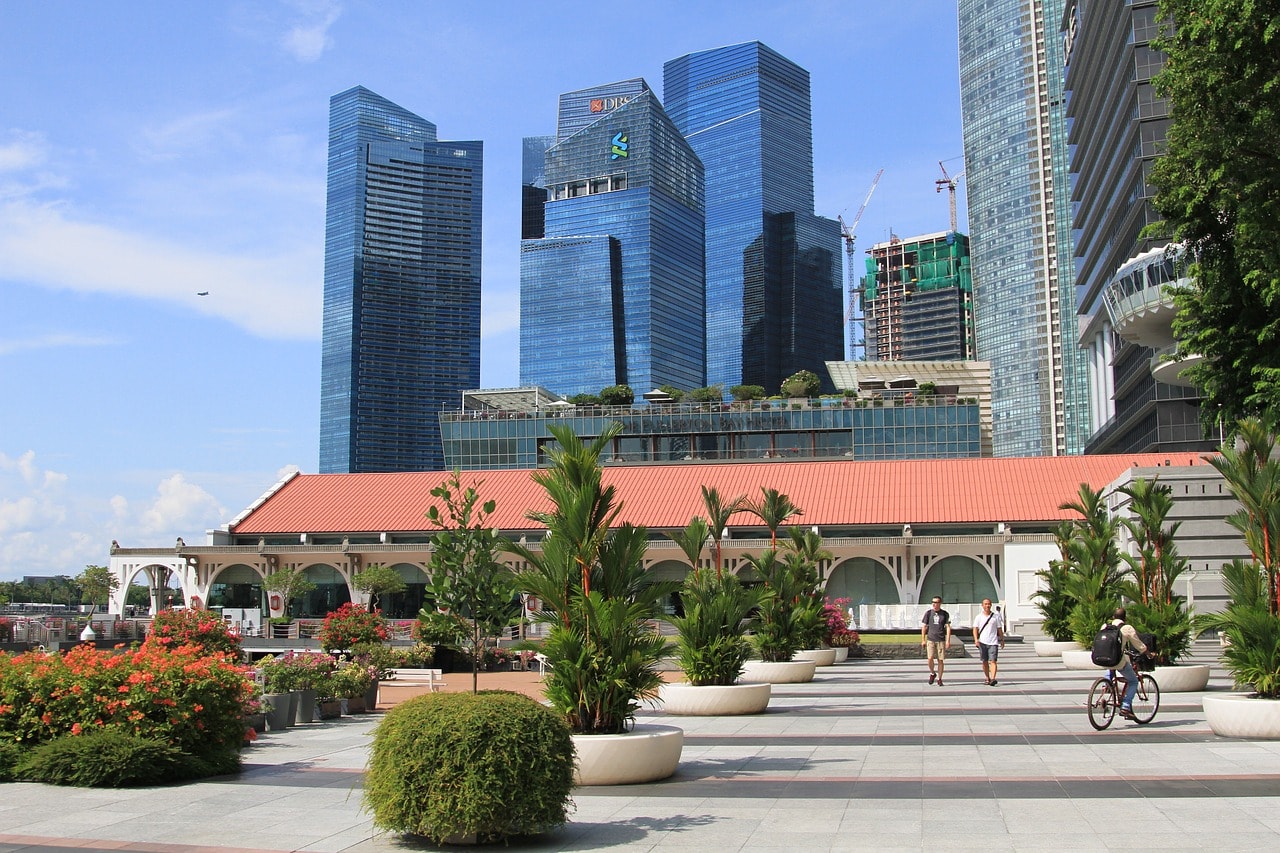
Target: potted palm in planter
x=601, y=647
x=1054, y=602
x=1251, y=621
x=712, y=648
x=786, y=618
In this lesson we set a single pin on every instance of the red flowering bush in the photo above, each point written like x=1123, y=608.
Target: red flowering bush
x=350, y=626
x=204, y=629
x=835, y=622
x=297, y=671
x=182, y=696
x=6, y=630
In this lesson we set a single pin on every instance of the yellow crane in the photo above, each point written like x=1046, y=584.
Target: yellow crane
x=853, y=315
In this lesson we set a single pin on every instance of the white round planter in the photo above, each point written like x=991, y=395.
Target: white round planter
x=1240, y=715
x=1079, y=658
x=714, y=700
x=820, y=657
x=1182, y=679
x=777, y=672
x=1054, y=648
x=842, y=653
x=644, y=754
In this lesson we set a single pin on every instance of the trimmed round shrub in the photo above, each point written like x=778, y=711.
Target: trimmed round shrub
x=108, y=758
x=492, y=765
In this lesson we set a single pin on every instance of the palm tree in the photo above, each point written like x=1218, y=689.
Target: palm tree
x=1253, y=476
x=692, y=538
x=1095, y=570
x=1157, y=564
x=718, y=514
x=774, y=508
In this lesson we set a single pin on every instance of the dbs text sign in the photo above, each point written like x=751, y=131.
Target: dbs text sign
x=605, y=105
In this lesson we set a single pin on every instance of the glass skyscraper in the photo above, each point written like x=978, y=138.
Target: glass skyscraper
x=773, y=268
x=613, y=294
x=401, y=285
x=1015, y=144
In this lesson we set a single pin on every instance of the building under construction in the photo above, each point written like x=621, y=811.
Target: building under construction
x=918, y=299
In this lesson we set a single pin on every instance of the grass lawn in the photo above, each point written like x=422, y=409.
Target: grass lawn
x=888, y=638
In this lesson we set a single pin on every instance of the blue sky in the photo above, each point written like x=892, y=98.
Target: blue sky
x=152, y=150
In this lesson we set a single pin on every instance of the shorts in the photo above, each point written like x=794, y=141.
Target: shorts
x=936, y=648
x=989, y=653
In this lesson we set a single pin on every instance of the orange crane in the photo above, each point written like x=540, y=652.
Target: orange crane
x=950, y=183
x=853, y=316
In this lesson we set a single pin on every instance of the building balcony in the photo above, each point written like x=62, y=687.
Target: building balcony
x=1138, y=298
x=1167, y=366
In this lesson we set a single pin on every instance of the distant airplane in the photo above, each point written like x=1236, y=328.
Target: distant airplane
x=203, y=293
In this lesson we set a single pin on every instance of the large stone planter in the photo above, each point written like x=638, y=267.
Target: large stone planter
x=1182, y=679
x=306, y=710
x=714, y=700
x=1054, y=648
x=820, y=657
x=777, y=672
x=842, y=654
x=644, y=754
x=1241, y=715
x=277, y=708
x=1079, y=658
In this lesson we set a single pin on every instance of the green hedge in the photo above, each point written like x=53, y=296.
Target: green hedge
x=491, y=764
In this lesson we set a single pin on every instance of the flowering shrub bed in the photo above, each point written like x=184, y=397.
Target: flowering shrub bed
x=191, y=700
x=836, y=630
x=298, y=671
x=350, y=626
x=204, y=629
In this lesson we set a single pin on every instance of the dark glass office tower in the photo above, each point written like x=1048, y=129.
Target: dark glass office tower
x=773, y=268
x=401, y=285
x=533, y=186
x=613, y=294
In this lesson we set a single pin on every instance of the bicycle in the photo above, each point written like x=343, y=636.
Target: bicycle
x=1106, y=693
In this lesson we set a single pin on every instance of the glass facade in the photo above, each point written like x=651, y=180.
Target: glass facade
x=1011, y=95
x=773, y=268
x=533, y=186
x=866, y=429
x=1118, y=127
x=619, y=273
x=919, y=300
x=401, y=333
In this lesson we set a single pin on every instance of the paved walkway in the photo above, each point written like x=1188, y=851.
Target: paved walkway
x=867, y=757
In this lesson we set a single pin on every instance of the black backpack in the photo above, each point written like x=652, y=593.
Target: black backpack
x=1107, y=647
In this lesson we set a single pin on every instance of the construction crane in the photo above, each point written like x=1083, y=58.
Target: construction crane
x=854, y=313
x=950, y=183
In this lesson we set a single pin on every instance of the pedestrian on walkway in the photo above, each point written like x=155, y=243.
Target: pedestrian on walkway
x=988, y=635
x=935, y=636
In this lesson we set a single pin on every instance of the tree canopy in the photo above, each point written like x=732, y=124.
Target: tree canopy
x=1219, y=191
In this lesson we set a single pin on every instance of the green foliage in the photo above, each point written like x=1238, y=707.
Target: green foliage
x=473, y=592
x=350, y=627
x=97, y=583
x=673, y=392
x=617, y=395
x=595, y=596
x=297, y=671
x=712, y=645
x=1169, y=622
x=927, y=389
x=492, y=764
x=743, y=393
x=802, y=383
x=584, y=399
x=719, y=511
x=790, y=611
x=1252, y=473
x=707, y=394
x=1095, y=573
x=1053, y=601
x=378, y=580
x=1156, y=608
x=10, y=754
x=1252, y=654
x=108, y=758
x=1088, y=617
x=1217, y=186
x=773, y=508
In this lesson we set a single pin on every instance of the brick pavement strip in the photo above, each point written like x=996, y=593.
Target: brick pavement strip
x=868, y=756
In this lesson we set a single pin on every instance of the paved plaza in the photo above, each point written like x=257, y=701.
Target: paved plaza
x=868, y=756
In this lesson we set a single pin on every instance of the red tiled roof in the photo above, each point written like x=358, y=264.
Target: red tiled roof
x=830, y=493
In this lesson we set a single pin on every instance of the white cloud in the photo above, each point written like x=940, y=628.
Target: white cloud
x=55, y=340
x=21, y=150
x=273, y=297
x=188, y=133
x=180, y=505
x=308, y=38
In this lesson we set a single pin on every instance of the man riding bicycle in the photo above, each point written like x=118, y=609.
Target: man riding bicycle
x=1128, y=640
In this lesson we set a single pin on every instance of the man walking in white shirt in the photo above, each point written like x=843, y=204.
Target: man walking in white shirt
x=988, y=635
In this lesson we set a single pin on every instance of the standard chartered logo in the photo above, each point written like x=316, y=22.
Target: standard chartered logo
x=620, y=146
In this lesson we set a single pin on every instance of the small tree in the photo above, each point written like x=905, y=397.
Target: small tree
x=378, y=580
x=472, y=590
x=617, y=395
x=289, y=584
x=707, y=394
x=718, y=513
x=97, y=583
x=673, y=392
x=743, y=393
x=773, y=508
x=584, y=399
x=802, y=383
x=1053, y=601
